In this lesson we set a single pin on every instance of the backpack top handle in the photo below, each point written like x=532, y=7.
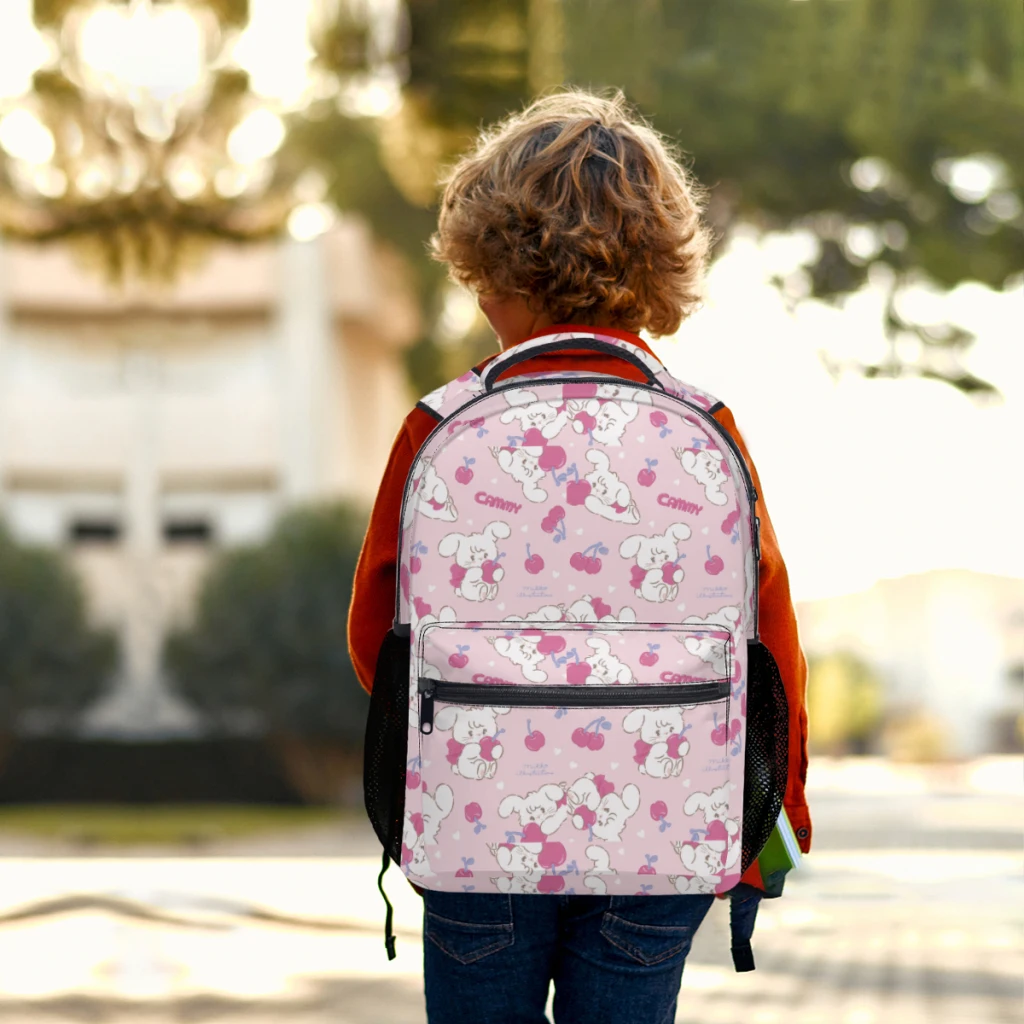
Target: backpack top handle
x=648, y=366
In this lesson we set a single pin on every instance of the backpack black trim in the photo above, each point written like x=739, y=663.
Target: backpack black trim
x=766, y=768
x=387, y=742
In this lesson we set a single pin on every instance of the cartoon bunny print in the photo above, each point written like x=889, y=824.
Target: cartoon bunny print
x=545, y=809
x=429, y=495
x=662, y=744
x=606, y=669
x=421, y=828
x=477, y=570
x=657, y=573
x=594, y=805
x=474, y=749
x=609, y=497
x=709, y=468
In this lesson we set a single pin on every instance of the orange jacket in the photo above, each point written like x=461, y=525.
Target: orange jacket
x=373, y=596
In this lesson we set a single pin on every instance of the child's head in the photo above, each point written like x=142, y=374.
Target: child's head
x=576, y=207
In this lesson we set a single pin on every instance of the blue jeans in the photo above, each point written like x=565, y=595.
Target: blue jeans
x=489, y=958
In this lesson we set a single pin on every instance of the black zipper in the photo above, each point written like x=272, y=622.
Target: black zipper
x=486, y=694
x=719, y=430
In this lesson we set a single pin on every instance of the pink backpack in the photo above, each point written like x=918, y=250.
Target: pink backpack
x=574, y=698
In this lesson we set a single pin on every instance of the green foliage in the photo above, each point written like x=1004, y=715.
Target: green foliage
x=269, y=633
x=52, y=663
x=844, y=703
x=780, y=104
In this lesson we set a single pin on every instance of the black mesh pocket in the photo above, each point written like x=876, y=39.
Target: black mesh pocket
x=767, y=762
x=387, y=740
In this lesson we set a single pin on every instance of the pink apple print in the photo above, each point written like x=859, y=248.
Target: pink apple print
x=551, y=855
x=412, y=779
x=415, y=564
x=587, y=740
x=660, y=420
x=576, y=675
x=720, y=735
x=671, y=573
x=557, y=513
x=473, y=812
x=649, y=657
x=464, y=871
x=490, y=567
x=714, y=565
x=532, y=833
x=464, y=474
x=576, y=492
x=647, y=476
x=534, y=737
x=648, y=868
x=553, y=457
x=487, y=747
x=533, y=438
x=534, y=563
x=730, y=521
x=659, y=810
x=459, y=659
x=587, y=560
x=551, y=883
x=551, y=644
x=586, y=421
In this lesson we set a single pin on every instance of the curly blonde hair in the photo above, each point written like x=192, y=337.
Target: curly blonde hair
x=579, y=206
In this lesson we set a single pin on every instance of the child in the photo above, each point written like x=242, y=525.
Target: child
x=573, y=213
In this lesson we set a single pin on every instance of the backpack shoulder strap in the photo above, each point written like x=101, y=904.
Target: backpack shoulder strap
x=688, y=392
x=448, y=399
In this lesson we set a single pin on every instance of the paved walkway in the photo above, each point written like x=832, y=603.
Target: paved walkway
x=920, y=924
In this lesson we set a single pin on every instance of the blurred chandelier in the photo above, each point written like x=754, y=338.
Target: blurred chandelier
x=149, y=128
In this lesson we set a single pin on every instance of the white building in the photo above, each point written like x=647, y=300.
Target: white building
x=949, y=642
x=141, y=430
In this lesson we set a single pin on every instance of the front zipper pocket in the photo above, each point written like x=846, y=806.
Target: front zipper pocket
x=575, y=757
x=483, y=695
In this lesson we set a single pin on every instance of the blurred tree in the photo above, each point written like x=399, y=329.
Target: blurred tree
x=52, y=663
x=844, y=704
x=892, y=130
x=267, y=647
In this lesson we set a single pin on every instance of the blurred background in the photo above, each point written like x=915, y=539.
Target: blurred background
x=216, y=308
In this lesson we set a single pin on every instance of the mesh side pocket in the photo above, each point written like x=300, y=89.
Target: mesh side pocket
x=387, y=740
x=767, y=759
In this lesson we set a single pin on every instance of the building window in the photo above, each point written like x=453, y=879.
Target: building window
x=94, y=530
x=188, y=531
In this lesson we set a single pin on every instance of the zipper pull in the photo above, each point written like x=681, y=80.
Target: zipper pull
x=426, y=687
x=757, y=539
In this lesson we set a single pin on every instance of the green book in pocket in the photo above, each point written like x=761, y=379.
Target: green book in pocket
x=782, y=852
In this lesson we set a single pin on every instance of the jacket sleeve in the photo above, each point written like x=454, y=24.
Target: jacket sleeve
x=372, y=610
x=779, y=633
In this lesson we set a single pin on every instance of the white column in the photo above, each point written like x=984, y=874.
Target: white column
x=142, y=539
x=305, y=332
